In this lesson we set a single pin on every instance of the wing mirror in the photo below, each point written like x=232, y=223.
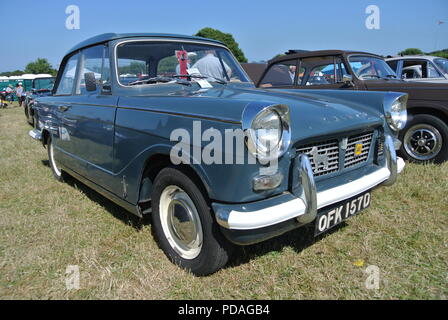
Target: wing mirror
x=89, y=78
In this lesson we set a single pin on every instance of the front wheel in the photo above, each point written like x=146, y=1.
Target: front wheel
x=184, y=226
x=425, y=139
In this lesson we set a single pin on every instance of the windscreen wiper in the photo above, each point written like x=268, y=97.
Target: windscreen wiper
x=199, y=76
x=160, y=80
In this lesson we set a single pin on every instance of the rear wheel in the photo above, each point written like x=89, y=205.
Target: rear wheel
x=425, y=139
x=184, y=226
x=55, y=169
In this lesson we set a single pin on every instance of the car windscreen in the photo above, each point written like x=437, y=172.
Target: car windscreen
x=140, y=60
x=44, y=83
x=442, y=64
x=370, y=68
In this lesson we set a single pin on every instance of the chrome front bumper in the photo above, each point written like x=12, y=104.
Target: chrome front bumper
x=35, y=134
x=304, y=208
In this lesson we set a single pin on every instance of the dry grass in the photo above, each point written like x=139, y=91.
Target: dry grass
x=46, y=226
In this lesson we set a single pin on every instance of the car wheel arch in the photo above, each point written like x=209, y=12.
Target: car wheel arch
x=436, y=112
x=45, y=135
x=155, y=163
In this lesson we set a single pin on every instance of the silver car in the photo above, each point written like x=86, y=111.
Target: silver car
x=420, y=68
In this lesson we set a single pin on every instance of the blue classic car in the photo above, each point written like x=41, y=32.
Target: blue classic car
x=170, y=125
x=41, y=87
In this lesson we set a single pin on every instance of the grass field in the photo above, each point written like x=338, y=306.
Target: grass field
x=46, y=226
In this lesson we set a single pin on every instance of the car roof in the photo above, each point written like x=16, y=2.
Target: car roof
x=306, y=54
x=413, y=57
x=114, y=36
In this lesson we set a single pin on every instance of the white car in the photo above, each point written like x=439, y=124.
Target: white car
x=420, y=68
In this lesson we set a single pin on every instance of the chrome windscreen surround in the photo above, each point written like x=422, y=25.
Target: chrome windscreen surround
x=395, y=119
x=250, y=113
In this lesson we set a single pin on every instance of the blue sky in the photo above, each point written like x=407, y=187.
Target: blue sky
x=262, y=28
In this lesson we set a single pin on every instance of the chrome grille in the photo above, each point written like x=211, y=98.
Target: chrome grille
x=324, y=156
x=351, y=158
x=380, y=148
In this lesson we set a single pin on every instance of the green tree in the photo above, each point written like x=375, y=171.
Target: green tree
x=441, y=53
x=41, y=65
x=12, y=73
x=225, y=38
x=410, y=51
x=278, y=55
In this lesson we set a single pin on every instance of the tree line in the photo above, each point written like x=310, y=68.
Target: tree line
x=41, y=65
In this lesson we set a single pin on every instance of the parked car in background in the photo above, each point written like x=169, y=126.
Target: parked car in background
x=254, y=70
x=303, y=158
x=40, y=87
x=425, y=137
x=420, y=68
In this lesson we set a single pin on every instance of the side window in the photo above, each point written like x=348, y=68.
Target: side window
x=322, y=70
x=94, y=60
x=414, y=69
x=432, y=71
x=280, y=74
x=323, y=74
x=393, y=64
x=65, y=86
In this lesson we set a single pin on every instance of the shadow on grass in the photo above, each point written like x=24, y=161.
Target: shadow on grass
x=298, y=239
x=115, y=210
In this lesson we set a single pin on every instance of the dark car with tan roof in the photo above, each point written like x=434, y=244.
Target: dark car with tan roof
x=425, y=137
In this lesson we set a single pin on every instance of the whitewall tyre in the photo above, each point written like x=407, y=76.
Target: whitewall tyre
x=184, y=226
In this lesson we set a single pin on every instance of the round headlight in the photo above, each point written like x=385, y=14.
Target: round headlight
x=267, y=131
x=396, y=113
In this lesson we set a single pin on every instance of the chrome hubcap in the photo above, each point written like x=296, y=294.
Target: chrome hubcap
x=180, y=222
x=423, y=142
x=53, y=162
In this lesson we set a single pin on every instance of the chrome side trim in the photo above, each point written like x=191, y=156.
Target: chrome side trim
x=309, y=192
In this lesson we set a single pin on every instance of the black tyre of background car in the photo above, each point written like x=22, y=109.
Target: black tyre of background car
x=424, y=126
x=57, y=172
x=215, y=249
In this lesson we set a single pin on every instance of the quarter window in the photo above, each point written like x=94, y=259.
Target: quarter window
x=94, y=60
x=67, y=81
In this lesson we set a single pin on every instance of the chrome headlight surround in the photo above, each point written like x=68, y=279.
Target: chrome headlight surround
x=395, y=110
x=253, y=115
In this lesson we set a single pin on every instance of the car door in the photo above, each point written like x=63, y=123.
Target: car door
x=59, y=104
x=90, y=117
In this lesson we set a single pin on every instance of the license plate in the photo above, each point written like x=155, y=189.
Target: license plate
x=330, y=217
